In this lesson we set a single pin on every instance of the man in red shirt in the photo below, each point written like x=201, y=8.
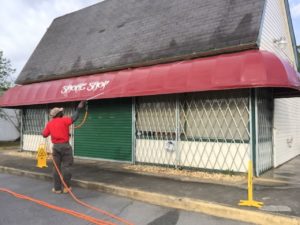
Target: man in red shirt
x=58, y=129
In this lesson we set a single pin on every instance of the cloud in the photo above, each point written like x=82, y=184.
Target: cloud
x=295, y=10
x=23, y=23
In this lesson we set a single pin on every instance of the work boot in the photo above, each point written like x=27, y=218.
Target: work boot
x=56, y=191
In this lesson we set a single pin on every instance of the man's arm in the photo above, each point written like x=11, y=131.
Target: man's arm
x=75, y=115
x=46, y=132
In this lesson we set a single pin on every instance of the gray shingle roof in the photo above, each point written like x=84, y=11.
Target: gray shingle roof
x=113, y=35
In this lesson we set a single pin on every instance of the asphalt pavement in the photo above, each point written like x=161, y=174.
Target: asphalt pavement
x=279, y=189
x=16, y=211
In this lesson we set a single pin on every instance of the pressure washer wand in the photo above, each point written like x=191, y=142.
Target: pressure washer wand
x=101, y=93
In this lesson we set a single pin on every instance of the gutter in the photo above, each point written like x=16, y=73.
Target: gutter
x=213, y=52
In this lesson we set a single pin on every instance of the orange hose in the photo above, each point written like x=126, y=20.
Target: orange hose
x=57, y=208
x=85, y=204
x=68, y=211
x=83, y=121
x=72, y=194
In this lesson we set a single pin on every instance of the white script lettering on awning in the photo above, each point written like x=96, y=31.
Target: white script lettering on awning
x=91, y=86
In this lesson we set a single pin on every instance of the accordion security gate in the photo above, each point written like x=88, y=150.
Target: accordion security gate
x=34, y=120
x=264, y=112
x=207, y=130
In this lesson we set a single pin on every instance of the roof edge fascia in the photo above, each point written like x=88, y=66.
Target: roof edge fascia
x=232, y=49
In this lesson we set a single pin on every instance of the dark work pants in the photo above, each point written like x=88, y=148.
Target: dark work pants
x=63, y=156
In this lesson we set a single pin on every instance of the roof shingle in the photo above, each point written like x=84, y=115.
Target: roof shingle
x=113, y=35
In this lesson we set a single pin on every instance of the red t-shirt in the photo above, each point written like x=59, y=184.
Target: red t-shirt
x=58, y=128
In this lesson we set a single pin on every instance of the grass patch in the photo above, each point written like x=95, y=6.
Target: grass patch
x=4, y=144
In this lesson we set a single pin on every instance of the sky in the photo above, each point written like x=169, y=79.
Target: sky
x=24, y=22
x=295, y=11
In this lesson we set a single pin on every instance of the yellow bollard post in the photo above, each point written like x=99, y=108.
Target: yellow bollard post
x=250, y=201
x=41, y=156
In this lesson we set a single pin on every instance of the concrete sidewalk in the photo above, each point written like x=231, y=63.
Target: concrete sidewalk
x=279, y=189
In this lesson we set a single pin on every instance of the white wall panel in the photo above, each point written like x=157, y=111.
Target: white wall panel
x=286, y=130
x=31, y=142
x=8, y=132
x=205, y=155
x=275, y=25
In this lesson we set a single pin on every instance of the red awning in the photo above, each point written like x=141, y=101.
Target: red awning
x=246, y=69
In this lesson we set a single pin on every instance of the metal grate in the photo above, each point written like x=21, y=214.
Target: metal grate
x=265, y=104
x=208, y=130
x=156, y=129
x=34, y=120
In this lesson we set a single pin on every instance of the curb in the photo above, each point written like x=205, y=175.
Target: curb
x=165, y=176
x=210, y=208
x=241, y=184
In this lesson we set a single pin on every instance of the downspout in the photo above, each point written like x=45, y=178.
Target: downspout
x=133, y=132
x=177, y=132
x=21, y=130
x=253, y=130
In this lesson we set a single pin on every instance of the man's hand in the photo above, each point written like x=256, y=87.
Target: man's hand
x=81, y=104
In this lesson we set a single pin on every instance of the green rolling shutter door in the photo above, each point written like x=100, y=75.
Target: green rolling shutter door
x=107, y=132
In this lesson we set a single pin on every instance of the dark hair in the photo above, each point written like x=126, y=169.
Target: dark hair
x=60, y=114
